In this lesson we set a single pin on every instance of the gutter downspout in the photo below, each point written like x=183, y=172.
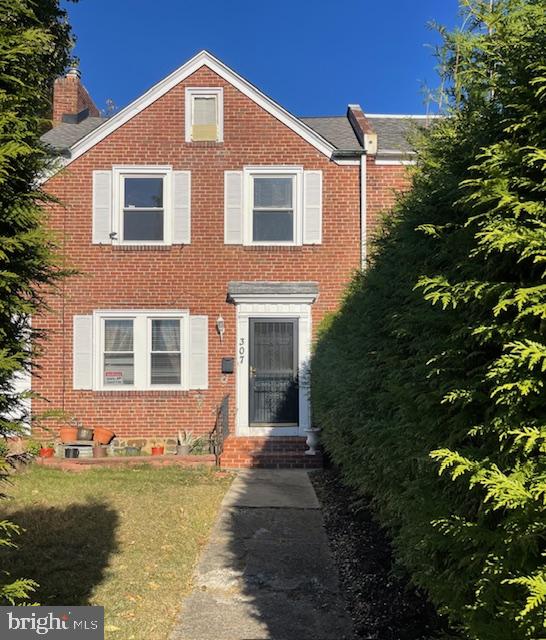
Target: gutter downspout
x=363, y=211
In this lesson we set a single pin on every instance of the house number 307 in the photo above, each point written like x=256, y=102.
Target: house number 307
x=242, y=349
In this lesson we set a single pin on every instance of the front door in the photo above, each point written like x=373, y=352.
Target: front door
x=273, y=371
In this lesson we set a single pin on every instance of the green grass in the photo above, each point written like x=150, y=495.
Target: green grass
x=124, y=539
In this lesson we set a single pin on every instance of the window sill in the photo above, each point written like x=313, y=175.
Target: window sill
x=274, y=247
x=142, y=247
x=205, y=143
x=162, y=393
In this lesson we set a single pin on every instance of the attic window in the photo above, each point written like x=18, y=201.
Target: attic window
x=204, y=115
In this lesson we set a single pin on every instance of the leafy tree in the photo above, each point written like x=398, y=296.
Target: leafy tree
x=34, y=49
x=429, y=383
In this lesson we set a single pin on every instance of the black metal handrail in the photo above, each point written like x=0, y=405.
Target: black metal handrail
x=221, y=429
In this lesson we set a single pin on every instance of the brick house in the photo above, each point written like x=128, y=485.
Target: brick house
x=212, y=231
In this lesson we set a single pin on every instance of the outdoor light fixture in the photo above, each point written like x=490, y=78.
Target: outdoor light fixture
x=220, y=327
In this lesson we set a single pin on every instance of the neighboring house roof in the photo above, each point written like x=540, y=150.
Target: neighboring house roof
x=392, y=131
x=64, y=135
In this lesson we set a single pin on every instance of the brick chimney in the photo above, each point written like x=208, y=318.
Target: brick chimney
x=71, y=102
x=363, y=129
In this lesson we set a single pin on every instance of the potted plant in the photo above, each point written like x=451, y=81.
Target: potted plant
x=184, y=442
x=69, y=433
x=47, y=450
x=102, y=435
x=158, y=449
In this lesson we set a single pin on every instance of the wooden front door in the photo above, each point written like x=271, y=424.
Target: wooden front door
x=273, y=371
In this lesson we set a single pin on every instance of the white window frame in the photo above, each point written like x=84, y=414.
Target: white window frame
x=204, y=92
x=248, y=203
x=119, y=173
x=142, y=348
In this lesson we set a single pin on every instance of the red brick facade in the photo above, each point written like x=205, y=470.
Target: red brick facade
x=70, y=97
x=193, y=276
x=383, y=183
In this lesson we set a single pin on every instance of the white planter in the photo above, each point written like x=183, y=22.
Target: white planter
x=312, y=441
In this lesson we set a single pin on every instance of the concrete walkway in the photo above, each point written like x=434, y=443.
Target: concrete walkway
x=267, y=572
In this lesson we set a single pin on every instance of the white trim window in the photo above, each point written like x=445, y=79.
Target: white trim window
x=142, y=350
x=273, y=206
x=142, y=205
x=204, y=114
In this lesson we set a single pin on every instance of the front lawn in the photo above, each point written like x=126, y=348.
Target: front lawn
x=126, y=539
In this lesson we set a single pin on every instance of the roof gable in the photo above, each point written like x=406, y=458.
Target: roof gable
x=204, y=58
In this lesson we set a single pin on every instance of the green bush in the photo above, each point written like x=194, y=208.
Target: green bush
x=429, y=382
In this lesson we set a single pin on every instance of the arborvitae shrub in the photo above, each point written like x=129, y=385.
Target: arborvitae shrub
x=429, y=384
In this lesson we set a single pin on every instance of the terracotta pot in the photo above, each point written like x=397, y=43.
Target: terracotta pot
x=102, y=435
x=158, y=451
x=99, y=452
x=47, y=452
x=68, y=434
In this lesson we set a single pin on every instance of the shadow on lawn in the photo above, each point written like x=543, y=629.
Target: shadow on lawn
x=65, y=550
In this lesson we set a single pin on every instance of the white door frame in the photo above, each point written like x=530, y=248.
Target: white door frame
x=271, y=306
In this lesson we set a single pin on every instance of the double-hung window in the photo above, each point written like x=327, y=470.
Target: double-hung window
x=204, y=115
x=165, y=354
x=142, y=350
x=119, y=355
x=142, y=212
x=273, y=206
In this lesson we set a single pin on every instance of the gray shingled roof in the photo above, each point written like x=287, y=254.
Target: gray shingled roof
x=336, y=129
x=392, y=132
x=63, y=136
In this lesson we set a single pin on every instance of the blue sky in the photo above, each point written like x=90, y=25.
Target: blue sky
x=312, y=56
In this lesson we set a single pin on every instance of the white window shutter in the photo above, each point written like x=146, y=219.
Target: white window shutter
x=312, y=207
x=102, y=207
x=199, y=356
x=82, y=349
x=233, y=207
x=181, y=207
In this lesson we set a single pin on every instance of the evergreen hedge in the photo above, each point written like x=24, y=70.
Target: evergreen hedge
x=35, y=43
x=429, y=382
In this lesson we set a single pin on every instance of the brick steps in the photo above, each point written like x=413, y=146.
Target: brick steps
x=268, y=453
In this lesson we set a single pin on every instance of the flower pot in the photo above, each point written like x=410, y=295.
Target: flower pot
x=47, y=452
x=85, y=434
x=99, y=452
x=183, y=449
x=102, y=435
x=71, y=452
x=158, y=451
x=68, y=434
x=132, y=451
